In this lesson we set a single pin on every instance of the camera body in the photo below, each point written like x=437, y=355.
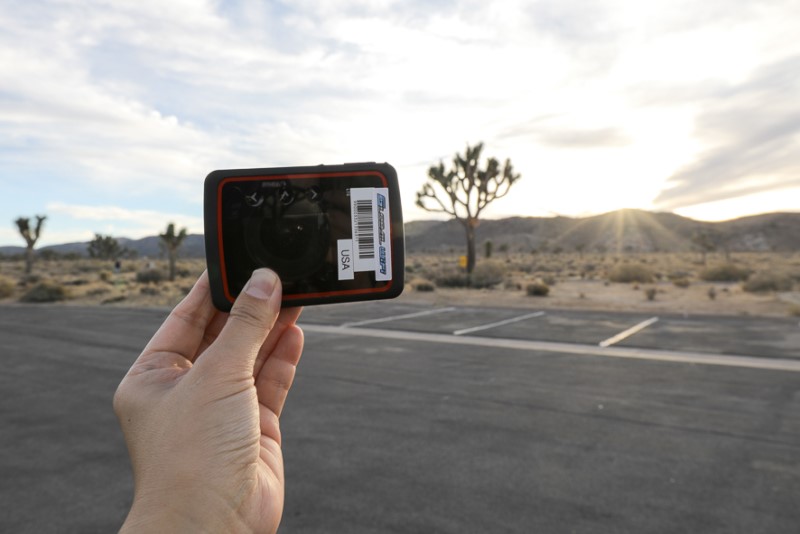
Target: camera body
x=332, y=233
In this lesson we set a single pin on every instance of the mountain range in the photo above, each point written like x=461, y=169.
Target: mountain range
x=622, y=230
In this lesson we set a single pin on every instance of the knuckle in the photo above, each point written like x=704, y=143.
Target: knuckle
x=121, y=401
x=248, y=315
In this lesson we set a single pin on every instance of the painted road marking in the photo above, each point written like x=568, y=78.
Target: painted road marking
x=628, y=333
x=776, y=364
x=498, y=323
x=396, y=317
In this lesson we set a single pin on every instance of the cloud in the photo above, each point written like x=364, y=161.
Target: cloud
x=586, y=138
x=752, y=131
x=133, y=223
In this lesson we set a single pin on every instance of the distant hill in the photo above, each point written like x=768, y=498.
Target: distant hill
x=193, y=247
x=622, y=230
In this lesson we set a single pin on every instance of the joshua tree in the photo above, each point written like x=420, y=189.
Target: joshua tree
x=465, y=190
x=31, y=236
x=104, y=247
x=172, y=242
x=705, y=242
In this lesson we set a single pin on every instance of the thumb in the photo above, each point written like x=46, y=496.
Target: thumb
x=251, y=318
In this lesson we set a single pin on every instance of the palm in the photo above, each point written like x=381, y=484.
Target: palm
x=229, y=437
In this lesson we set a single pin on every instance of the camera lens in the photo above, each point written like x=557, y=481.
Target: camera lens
x=291, y=239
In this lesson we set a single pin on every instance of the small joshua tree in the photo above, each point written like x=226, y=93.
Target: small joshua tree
x=31, y=236
x=172, y=242
x=705, y=242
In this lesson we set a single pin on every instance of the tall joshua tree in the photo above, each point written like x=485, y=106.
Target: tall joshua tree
x=465, y=190
x=172, y=242
x=31, y=236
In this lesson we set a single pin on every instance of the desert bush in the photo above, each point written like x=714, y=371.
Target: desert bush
x=650, y=293
x=150, y=276
x=712, y=293
x=105, y=276
x=45, y=292
x=631, y=272
x=7, y=286
x=681, y=282
x=766, y=281
x=150, y=291
x=451, y=279
x=537, y=289
x=487, y=274
x=726, y=272
x=424, y=286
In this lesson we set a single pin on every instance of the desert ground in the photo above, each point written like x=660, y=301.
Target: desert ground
x=757, y=284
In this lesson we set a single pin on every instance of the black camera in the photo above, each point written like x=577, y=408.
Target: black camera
x=333, y=233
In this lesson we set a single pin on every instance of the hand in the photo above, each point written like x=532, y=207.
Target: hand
x=199, y=410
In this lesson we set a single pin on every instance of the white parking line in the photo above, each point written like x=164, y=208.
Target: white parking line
x=395, y=317
x=627, y=333
x=499, y=323
x=728, y=360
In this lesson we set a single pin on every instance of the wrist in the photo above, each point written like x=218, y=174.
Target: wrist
x=169, y=513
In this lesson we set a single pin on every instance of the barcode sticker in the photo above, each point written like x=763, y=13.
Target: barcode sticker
x=371, y=231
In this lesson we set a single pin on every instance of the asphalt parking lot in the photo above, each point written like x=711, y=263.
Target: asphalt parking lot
x=746, y=336
x=401, y=425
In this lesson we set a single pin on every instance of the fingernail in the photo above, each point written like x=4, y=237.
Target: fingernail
x=261, y=284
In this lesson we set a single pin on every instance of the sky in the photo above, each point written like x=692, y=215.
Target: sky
x=112, y=112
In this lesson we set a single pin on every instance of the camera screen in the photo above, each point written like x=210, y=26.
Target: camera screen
x=320, y=233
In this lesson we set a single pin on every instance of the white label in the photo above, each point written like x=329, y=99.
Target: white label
x=370, y=219
x=345, y=259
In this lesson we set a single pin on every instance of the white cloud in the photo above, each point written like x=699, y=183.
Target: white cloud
x=124, y=222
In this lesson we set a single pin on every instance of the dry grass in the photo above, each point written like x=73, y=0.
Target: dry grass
x=91, y=282
x=677, y=282
x=573, y=282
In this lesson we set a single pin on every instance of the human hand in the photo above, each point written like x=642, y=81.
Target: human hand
x=199, y=411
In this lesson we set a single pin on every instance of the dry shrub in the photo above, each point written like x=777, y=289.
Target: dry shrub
x=681, y=282
x=451, y=279
x=726, y=272
x=424, y=286
x=488, y=274
x=150, y=291
x=150, y=276
x=650, y=293
x=631, y=272
x=45, y=292
x=537, y=289
x=765, y=281
x=7, y=286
